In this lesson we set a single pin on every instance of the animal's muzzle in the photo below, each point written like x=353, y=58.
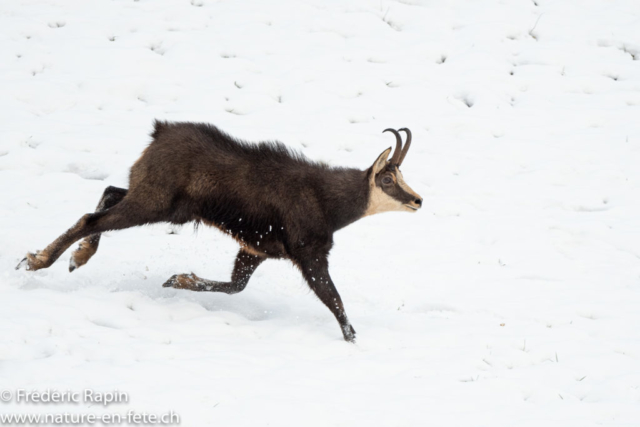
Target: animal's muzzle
x=415, y=204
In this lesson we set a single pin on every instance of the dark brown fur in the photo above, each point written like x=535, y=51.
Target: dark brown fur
x=273, y=201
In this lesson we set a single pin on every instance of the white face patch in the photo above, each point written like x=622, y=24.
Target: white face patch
x=379, y=201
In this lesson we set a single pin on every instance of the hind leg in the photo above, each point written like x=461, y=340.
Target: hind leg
x=244, y=267
x=89, y=245
x=123, y=215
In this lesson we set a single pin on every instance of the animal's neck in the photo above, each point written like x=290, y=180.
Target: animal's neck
x=346, y=195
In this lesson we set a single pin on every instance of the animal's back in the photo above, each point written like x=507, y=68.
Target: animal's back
x=180, y=138
x=195, y=156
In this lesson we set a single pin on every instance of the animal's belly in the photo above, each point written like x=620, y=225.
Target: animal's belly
x=264, y=244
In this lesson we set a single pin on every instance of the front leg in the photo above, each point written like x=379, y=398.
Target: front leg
x=315, y=269
x=244, y=267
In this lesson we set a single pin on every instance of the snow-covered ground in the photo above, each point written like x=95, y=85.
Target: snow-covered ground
x=511, y=299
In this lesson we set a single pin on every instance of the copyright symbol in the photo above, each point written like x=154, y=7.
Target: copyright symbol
x=6, y=396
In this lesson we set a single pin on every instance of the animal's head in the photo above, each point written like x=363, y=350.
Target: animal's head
x=388, y=190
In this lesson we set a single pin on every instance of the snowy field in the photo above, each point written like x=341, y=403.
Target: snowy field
x=511, y=299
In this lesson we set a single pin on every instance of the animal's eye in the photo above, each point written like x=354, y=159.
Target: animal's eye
x=387, y=180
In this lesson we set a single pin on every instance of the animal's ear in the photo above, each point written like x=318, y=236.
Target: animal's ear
x=380, y=162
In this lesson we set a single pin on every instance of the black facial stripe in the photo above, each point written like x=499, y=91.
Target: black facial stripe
x=394, y=190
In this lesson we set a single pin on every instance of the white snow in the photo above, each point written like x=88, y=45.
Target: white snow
x=511, y=299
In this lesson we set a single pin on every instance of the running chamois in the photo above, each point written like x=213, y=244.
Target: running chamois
x=273, y=201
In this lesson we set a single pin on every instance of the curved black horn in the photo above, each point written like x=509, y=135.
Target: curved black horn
x=406, y=145
x=396, y=153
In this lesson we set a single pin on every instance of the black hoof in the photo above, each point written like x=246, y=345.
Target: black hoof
x=23, y=263
x=349, y=333
x=171, y=282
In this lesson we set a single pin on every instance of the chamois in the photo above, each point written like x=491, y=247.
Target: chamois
x=273, y=201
